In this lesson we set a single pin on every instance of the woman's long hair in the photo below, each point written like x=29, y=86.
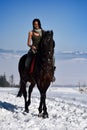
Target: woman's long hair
x=39, y=23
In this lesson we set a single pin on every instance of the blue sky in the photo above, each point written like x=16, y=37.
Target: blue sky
x=67, y=19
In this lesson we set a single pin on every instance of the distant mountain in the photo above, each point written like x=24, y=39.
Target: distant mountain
x=70, y=66
x=61, y=55
x=71, y=55
x=13, y=51
x=11, y=54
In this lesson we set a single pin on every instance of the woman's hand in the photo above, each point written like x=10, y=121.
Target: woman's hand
x=34, y=48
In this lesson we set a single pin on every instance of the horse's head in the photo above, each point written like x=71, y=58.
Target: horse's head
x=47, y=39
x=47, y=44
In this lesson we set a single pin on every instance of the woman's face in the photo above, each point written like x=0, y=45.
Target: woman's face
x=36, y=25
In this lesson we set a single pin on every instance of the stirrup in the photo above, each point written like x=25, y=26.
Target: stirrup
x=54, y=68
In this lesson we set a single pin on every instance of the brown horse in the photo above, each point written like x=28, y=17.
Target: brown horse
x=41, y=75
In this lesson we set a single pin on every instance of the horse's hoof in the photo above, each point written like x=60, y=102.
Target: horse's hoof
x=27, y=111
x=19, y=94
x=45, y=115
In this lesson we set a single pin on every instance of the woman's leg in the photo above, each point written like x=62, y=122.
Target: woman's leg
x=28, y=60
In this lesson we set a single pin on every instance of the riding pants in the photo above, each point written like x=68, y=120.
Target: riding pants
x=29, y=59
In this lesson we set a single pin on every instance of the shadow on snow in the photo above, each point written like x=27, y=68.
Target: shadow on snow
x=8, y=106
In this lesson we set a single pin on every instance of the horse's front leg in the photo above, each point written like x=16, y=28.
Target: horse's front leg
x=42, y=106
x=29, y=93
x=45, y=113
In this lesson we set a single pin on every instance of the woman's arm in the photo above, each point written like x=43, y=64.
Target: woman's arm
x=29, y=39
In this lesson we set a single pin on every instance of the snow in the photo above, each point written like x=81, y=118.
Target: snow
x=67, y=108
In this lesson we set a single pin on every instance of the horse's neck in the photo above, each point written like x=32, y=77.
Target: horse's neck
x=47, y=62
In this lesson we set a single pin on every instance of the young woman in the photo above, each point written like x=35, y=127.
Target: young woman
x=34, y=38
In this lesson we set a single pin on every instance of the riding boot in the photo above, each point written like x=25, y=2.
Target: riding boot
x=53, y=77
x=53, y=70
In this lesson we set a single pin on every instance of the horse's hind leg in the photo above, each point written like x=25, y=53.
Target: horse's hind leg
x=29, y=93
x=20, y=91
x=24, y=92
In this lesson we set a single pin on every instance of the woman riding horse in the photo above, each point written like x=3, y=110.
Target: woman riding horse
x=35, y=35
x=43, y=70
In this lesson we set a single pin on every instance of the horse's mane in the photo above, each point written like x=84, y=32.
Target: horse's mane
x=46, y=52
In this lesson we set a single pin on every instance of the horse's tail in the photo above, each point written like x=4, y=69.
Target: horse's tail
x=21, y=67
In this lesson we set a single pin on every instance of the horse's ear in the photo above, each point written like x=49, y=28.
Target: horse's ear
x=52, y=32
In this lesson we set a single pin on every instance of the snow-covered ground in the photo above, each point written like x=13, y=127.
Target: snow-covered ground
x=67, y=109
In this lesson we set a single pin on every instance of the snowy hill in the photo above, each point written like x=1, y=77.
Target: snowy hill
x=66, y=55
x=67, y=109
